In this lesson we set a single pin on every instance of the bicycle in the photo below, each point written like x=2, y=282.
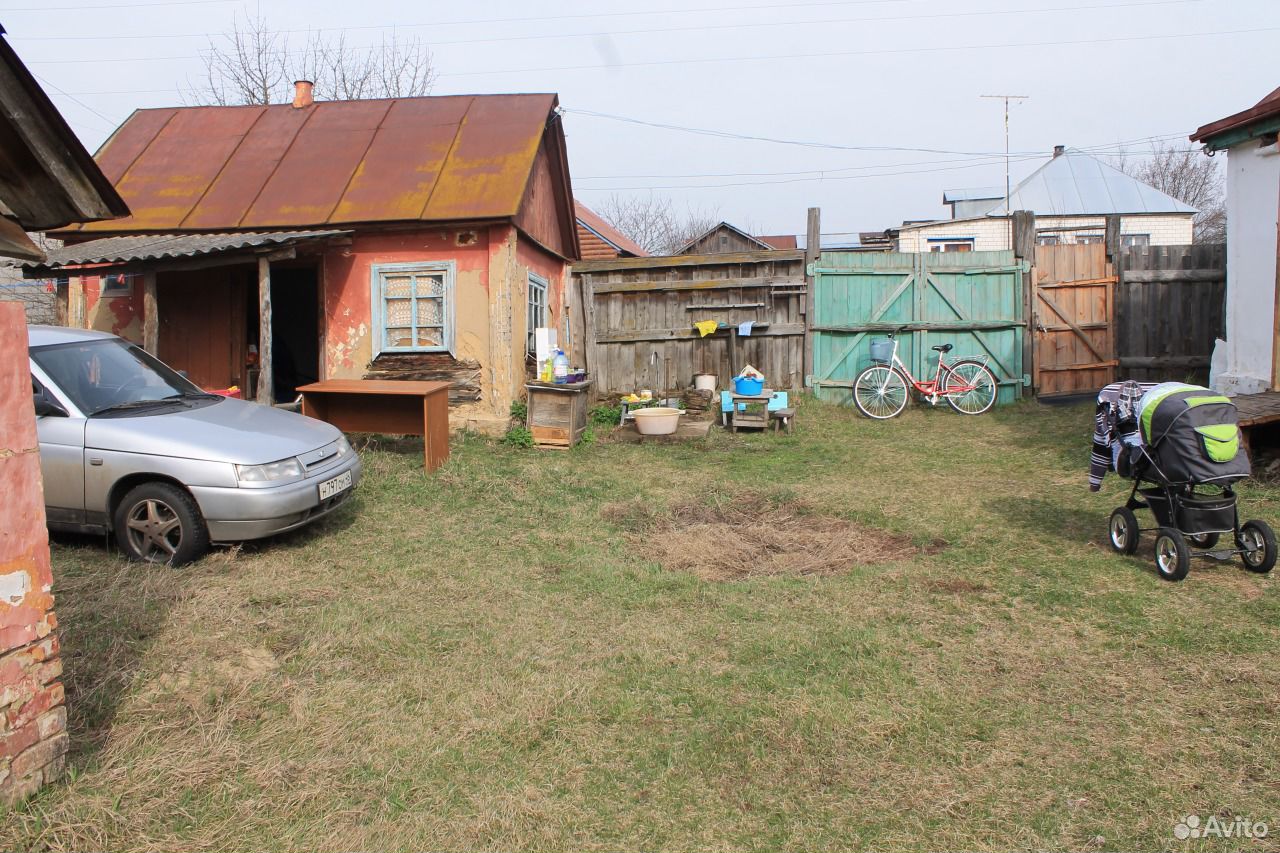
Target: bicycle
x=967, y=384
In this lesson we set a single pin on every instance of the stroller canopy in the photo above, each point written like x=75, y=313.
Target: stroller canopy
x=1192, y=435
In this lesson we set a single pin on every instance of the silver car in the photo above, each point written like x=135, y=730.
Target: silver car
x=130, y=446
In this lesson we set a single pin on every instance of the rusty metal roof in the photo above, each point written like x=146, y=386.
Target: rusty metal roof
x=599, y=226
x=152, y=247
x=451, y=158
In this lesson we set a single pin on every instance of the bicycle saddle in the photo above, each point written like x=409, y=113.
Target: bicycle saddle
x=943, y=348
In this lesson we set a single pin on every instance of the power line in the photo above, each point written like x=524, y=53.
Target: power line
x=875, y=52
x=468, y=22
x=661, y=30
x=111, y=6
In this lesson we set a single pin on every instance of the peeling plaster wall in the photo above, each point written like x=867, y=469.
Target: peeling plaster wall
x=119, y=315
x=349, y=320
x=33, y=738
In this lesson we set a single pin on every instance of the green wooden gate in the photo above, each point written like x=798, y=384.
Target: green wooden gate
x=973, y=300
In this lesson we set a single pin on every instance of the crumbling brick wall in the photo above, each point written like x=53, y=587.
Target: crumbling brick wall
x=33, y=719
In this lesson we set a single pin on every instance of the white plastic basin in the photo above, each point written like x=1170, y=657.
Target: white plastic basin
x=659, y=420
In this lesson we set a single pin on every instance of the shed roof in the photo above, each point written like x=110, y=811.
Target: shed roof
x=431, y=159
x=779, y=241
x=1076, y=184
x=1266, y=109
x=152, y=247
x=597, y=225
x=47, y=179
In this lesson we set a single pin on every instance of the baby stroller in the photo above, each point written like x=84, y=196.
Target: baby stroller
x=1183, y=471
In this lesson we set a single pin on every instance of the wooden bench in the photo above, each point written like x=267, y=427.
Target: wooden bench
x=385, y=406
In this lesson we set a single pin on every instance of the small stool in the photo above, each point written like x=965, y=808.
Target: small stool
x=781, y=419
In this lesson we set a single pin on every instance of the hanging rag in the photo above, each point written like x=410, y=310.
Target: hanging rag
x=706, y=327
x=1114, y=424
x=744, y=329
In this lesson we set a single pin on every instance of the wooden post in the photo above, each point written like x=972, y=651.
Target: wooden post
x=594, y=365
x=150, y=314
x=1024, y=248
x=812, y=251
x=265, y=392
x=1112, y=239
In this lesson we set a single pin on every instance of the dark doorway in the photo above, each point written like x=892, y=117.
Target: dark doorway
x=295, y=330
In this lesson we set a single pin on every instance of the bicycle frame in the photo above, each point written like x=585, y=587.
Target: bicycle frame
x=930, y=388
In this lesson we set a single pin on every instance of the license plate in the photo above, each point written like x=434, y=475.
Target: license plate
x=340, y=483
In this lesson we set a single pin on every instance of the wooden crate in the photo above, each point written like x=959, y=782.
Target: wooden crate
x=557, y=413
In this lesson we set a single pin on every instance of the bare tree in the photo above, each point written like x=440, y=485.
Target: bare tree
x=1191, y=178
x=654, y=223
x=253, y=64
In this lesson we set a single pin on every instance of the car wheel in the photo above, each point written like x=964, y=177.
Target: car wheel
x=160, y=523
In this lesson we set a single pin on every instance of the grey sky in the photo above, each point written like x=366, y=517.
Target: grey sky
x=897, y=74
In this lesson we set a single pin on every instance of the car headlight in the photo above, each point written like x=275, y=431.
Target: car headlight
x=285, y=469
x=344, y=447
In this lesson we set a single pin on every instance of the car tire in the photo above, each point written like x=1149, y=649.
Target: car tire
x=160, y=523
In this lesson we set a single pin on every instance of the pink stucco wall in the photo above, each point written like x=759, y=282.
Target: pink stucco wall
x=33, y=738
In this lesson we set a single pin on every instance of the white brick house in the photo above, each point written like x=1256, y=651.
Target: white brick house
x=1071, y=196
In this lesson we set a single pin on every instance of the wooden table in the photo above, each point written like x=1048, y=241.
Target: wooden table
x=557, y=414
x=385, y=406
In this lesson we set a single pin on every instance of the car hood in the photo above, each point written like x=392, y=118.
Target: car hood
x=229, y=430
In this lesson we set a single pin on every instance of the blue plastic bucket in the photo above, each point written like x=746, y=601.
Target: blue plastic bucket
x=882, y=350
x=742, y=385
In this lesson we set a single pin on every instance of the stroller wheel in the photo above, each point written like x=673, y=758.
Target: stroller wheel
x=1123, y=531
x=1173, y=558
x=1203, y=540
x=1258, y=545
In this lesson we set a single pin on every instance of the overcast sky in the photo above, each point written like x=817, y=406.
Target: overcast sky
x=885, y=94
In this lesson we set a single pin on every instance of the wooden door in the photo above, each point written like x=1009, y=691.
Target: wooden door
x=1074, y=315
x=202, y=325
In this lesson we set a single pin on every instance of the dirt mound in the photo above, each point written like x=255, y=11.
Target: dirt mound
x=754, y=535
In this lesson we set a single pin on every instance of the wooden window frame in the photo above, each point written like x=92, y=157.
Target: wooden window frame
x=377, y=304
x=536, y=283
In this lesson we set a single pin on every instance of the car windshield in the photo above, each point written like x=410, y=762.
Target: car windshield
x=111, y=374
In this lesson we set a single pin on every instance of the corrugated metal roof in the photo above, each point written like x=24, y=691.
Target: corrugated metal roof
x=972, y=194
x=1267, y=108
x=1075, y=184
x=596, y=224
x=334, y=162
x=151, y=247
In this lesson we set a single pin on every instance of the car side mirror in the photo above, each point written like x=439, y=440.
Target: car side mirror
x=46, y=406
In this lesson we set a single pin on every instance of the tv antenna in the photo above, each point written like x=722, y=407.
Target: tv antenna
x=1007, y=98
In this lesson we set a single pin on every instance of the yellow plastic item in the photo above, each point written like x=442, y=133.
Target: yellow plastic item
x=706, y=327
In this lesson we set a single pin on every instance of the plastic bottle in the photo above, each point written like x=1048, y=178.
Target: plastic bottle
x=561, y=368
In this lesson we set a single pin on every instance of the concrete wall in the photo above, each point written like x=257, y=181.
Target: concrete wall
x=33, y=719
x=1244, y=364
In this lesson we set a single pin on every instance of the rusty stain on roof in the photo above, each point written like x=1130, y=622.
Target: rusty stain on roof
x=335, y=162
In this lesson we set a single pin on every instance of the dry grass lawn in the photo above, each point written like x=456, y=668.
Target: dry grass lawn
x=905, y=635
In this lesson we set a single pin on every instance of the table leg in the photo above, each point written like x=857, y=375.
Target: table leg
x=435, y=430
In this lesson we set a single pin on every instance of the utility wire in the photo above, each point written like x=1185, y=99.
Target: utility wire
x=458, y=23
x=109, y=6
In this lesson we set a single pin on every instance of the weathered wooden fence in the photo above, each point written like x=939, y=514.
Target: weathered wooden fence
x=636, y=322
x=1170, y=306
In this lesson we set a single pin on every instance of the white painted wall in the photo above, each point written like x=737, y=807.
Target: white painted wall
x=1244, y=365
x=992, y=234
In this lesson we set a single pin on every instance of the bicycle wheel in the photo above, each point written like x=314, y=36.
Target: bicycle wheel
x=880, y=392
x=981, y=385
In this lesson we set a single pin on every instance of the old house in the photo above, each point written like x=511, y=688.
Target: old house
x=724, y=237
x=598, y=239
x=270, y=246
x=1247, y=361
x=1071, y=195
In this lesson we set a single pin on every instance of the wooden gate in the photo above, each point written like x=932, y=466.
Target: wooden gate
x=972, y=300
x=1074, y=314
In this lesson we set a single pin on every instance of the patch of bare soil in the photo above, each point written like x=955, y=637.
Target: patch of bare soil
x=754, y=535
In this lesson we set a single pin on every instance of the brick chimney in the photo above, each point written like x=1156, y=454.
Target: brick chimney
x=302, y=94
x=1058, y=150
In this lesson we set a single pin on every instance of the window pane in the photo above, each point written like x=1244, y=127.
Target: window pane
x=430, y=312
x=430, y=338
x=397, y=286
x=430, y=285
x=399, y=312
x=399, y=337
